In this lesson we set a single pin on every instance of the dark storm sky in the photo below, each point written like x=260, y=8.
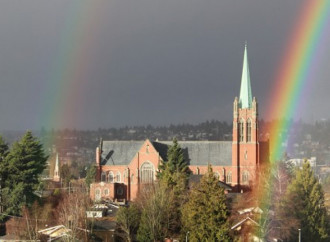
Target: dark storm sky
x=148, y=61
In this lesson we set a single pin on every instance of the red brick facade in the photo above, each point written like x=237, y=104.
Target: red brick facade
x=122, y=182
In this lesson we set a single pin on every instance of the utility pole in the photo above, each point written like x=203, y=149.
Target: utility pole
x=187, y=236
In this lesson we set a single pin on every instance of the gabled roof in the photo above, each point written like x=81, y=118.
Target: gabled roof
x=245, y=96
x=119, y=152
x=247, y=219
x=196, y=153
x=200, y=153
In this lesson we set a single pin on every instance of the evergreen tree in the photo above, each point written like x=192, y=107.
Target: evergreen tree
x=90, y=176
x=304, y=203
x=175, y=171
x=174, y=174
x=26, y=161
x=3, y=161
x=205, y=214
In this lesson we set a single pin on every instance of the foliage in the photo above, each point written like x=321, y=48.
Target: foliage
x=304, y=203
x=65, y=174
x=156, y=205
x=21, y=168
x=90, y=176
x=175, y=164
x=128, y=219
x=72, y=214
x=205, y=215
x=174, y=175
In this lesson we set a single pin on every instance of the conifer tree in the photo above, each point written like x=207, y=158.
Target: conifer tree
x=205, y=214
x=304, y=204
x=26, y=161
x=175, y=171
x=3, y=162
x=90, y=176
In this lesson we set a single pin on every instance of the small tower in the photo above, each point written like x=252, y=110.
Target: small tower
x=57, y=170
x=245, y=147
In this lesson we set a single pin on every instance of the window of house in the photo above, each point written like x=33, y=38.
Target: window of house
x=228, y=178
x=249, y=131
x=103, y=176
x=147, y=172
x=118, y=177
x=245, y=177
x=106, y=192
x=111, y=177
x=241, y=130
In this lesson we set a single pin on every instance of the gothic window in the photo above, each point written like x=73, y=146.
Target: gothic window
x=245, y=177
x=249, y=131
x=106, y=192
x=111, y=177
x=241, y=130
x=118, y=177
x=103, y=176
x=147, y=172
x=229, y=177
x=97, y=194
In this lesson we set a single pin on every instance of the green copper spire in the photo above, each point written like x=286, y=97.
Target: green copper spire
x=245, y=96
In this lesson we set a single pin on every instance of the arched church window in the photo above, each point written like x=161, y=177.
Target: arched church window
x=103, y=177
x=97, y=194
x=147, y=172
x=118, y=177
x=106, y=192
x=241, y=130
x=249, y=131
x=229, y=177
x=245, y=177
x=111, y=177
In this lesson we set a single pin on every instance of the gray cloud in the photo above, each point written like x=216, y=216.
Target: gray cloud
x=149, y=62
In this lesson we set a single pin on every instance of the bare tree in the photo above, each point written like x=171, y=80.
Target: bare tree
x=72, y=214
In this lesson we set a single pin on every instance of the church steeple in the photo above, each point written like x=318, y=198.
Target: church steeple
x=245, y=97
x=57, y=169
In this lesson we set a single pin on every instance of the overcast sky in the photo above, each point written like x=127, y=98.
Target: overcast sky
x=90, y=64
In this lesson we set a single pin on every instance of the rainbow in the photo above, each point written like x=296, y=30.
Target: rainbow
x=293, y=73
x=293, y=76
x=66, y=86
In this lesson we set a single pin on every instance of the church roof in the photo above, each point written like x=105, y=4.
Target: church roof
x=200, y=153
x=196, y=153
x=245, y=97
x=119, y=152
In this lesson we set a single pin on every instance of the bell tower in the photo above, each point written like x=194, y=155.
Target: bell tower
x=245, y=146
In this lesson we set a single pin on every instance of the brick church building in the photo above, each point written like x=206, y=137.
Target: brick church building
x=124, y=166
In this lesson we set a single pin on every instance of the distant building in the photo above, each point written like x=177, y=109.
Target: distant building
x=124, y=166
